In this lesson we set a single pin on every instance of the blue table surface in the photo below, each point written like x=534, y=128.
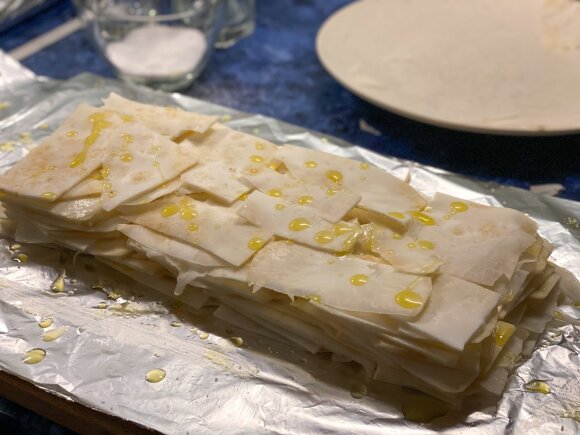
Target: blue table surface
x=276, y=72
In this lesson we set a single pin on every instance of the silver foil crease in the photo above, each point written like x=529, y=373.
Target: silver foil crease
x=265, y=386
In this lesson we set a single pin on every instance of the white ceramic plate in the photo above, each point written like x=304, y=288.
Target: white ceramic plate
x=494, y=66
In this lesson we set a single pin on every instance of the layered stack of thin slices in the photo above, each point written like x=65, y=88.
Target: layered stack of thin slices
x=331, y=254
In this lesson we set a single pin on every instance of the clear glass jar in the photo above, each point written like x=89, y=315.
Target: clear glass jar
x=163, y=44
x=239, y=22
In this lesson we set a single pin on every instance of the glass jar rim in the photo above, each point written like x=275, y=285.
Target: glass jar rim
x=99, y=13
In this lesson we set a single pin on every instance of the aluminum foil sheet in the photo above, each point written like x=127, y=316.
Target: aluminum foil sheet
x=212, y=384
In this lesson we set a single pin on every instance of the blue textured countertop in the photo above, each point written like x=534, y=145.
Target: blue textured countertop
x=276, y=72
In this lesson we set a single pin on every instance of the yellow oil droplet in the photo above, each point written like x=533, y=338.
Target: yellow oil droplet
x=397, y=236
x=536, y=386
x=259, y=146
x=114, y=295
x=237, y=341
x=331, y=192
x=358, y=391
x=256, y=244
x=176, y=324
x=364, y=165
x=193, y=228
x=334, y=176
x=34, y=356
x=299, y=224
x=409, y=299
x=104, y=172
x=396, y=214
x=340, y=229
x=359, y=279
x=279, y=206
x=169, y=210
x=558, y=315
x=127, y=138
x=272, y=165
x=423, y=218
x=20, y=258
x=313, y=298
x=45, y=323
x=15, y=246
x=54, y=334
x=155, y=375
x=310, y=164
x=276, y=193
x=458, y=207
x=256, y=159
x=411, y=245
x=324, y=237
x=187, y=214
x=102, y=305
x=126, y=157
x=186, y=211
x=72, y=133
x=426, y=244
x=126, y=118
x=253, y=171
x=57, y=285
x=202, y=334
x=304, y=200
x=156, y=164
x=244, y=196
x=49, y=196
x=99, y=123
x=112, y=194
x=503, y=332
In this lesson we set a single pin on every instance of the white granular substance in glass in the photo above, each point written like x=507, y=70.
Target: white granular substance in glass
x=158, y=51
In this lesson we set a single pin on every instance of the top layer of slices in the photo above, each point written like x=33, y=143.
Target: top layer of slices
x=141, y=155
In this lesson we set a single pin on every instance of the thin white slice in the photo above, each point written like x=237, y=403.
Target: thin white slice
x=192, y=297
x=76, y=210
x=405, y=253
x=236, y=149
x=456, y=310
x=91, y=186
x=238, y=320
x=328, y=203
x=224, y=155
x=65, y=158
x=480, y=244
x=298, y=223
x=167, y=121
x=216, y=229
x=184, y=272
x=300, y=271
x=139, y=160
x=217, y=179
x=157, y=192
x=170, y=246
x=381, y=192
